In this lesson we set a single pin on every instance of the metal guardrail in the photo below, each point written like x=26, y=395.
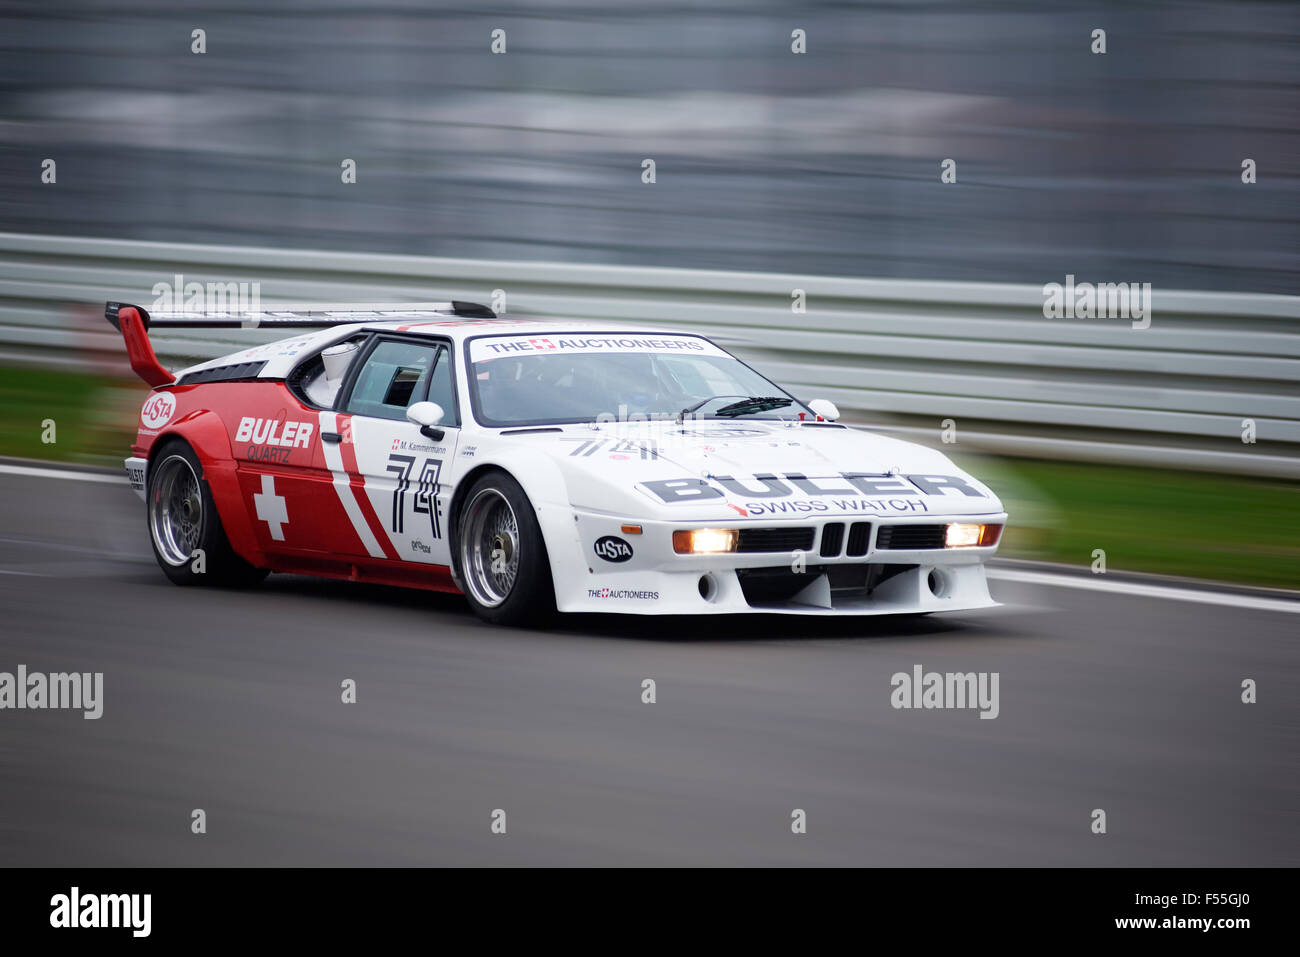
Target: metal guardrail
x=904, y=352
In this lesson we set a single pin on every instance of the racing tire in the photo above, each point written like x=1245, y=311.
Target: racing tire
x=184, y=528
x=503, y=566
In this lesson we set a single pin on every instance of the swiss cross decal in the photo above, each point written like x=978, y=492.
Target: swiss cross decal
x=271, y=508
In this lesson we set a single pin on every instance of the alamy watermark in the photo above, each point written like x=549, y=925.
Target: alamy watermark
x=36, y=690
x=127, y=911
x=1103, y=300
x=946, y=690
x=194, y=296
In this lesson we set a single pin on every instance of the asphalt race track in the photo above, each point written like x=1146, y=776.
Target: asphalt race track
x=230, y=702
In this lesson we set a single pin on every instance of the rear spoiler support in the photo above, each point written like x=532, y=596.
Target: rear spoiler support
x=133, y=322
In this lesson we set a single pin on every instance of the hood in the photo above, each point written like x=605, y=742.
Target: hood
x=757, y=469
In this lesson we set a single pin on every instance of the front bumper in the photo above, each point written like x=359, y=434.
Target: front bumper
x=655, y=580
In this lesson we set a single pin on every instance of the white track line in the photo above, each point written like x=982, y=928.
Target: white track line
x=1170, y=592
x=69, y=474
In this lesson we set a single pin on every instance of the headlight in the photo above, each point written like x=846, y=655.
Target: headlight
x=704, y=541
x=971, y=536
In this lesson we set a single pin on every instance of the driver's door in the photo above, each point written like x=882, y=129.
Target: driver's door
x=405, y=497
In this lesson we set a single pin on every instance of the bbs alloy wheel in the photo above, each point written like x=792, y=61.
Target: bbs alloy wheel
x=175, y=510
x=184, y=524
x=502, y=559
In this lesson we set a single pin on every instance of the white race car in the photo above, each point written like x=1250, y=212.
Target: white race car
x=534, y=466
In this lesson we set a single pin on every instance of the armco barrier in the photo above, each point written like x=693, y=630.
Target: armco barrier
x=908, y=352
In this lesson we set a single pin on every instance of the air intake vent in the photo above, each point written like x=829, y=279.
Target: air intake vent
x=241, y=370
x=775, y=539
x=899, y=537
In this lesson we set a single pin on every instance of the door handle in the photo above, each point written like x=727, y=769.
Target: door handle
x=332, y=437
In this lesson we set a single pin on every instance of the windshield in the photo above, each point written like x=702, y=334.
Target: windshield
x=581, y=377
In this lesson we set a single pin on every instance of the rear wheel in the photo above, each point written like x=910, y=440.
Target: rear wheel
x=502, y=556
x=188, y=541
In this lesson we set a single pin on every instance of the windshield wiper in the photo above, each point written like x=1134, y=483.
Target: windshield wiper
x=746, y=405
x=692, y=409
x=757, y=403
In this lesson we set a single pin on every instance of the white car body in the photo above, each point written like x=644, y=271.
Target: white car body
x=778, y=480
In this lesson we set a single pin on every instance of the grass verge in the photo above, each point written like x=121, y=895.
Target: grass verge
x=67, y=416
x=1195, y=524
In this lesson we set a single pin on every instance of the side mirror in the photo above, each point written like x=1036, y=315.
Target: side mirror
x=825, y=408
x=426, y=415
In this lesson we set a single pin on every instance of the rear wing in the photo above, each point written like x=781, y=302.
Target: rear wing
x=134, y=322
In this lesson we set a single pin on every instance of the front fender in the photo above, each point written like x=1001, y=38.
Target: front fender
x=543, y=482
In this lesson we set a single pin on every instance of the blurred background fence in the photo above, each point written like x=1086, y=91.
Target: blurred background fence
x=903, y=355
x=478, y=170
x=1115, y=167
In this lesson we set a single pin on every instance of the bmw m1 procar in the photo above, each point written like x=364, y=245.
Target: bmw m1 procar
x=536, y=466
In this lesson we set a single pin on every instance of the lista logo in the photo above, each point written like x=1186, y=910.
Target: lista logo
x=613, y=549
x=288, y=435
x=158, y=410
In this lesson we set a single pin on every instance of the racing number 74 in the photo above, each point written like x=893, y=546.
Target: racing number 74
x=425, y=499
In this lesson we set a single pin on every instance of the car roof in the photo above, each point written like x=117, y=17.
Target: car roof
x=280, y=357
x=461, y=329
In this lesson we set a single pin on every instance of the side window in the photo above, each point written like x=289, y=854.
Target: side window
x=440, y=388
x=395, y=375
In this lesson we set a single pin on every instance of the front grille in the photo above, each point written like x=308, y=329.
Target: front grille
x=859, y=536
x=775, y=539
x=910, y=536
x=832, y=539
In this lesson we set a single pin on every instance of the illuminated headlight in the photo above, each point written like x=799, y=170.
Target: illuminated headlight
x=960, y=535
x=704, y=541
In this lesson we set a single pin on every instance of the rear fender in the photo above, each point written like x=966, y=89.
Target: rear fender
x=206, y=434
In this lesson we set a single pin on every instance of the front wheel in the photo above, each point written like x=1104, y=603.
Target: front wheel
x=184, y=528
x=502, y=555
